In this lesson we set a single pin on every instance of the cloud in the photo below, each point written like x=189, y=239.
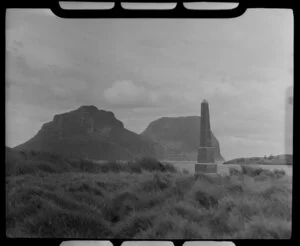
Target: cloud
x=241, y=66
x=217, y=87
x=126, y=94
x=234, y=147
x=33, y=46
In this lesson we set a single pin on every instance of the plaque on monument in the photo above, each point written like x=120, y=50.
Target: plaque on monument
x=206, y=152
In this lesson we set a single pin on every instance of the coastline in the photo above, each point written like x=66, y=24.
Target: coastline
x=260, y=164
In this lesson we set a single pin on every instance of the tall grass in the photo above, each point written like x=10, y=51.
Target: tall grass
x=146, y=199
x=36, y=166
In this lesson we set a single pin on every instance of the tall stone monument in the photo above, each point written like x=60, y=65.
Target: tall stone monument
x=206, y=153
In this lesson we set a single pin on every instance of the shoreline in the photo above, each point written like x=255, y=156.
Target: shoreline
x=259, y=164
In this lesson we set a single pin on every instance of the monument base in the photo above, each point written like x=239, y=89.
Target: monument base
x=206, y=168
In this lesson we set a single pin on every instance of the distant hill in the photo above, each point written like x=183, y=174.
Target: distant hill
x=271, y=160
x=177, y=138
x=88, y=132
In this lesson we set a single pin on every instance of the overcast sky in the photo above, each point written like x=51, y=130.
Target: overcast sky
x=149, y=68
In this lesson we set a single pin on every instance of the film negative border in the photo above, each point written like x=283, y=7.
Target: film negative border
x=178, y=12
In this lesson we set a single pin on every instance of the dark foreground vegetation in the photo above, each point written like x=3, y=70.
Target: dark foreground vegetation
x=50, y=196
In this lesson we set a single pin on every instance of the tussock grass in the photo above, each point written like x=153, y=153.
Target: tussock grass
x=145, y=199
x=58, y=223
x=257, y=172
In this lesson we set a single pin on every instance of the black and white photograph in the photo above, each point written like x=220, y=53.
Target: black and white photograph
x=150, y=128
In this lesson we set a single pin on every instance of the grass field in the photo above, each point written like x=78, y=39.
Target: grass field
x=145, y=200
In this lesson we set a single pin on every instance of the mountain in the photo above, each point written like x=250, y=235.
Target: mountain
x=88, y=132
x=177, y=138
x=285, y=159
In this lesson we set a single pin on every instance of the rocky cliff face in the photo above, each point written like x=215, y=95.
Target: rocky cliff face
x=177, y=138
x=90, y=133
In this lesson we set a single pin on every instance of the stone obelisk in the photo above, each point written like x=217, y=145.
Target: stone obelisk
x=206, y=152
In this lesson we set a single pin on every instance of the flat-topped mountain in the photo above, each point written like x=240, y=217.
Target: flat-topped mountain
x=89, y=133
x=177, y=138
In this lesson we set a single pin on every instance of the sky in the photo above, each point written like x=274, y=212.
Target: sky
x=150, y=68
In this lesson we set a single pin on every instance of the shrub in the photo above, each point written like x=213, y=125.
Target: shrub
x=18, y=213
x=273, y=192
x=218, y=223
x=33, y=153
x=170, y=168
x=234, y=171
x=261, y=178
x=250, y=171
x=205, y=200
x=151, y=164
x=185, y=171
x=258, y=173
x=279, y=173
x=24, y=169
x=235, y=188
x=121, y=205
x=162, y=226
x=133, y=225
x=122, y=201
x=133, y=167
x=46, y=167
x=35, y=167
x=206, y=178
x=160, y=229
x=156, y=184
x=69, y=224
x=266, y=228
x=191, y=230
x=28, y=195
x=88, y=202
x=145, y=163
x=153, y=199
x=182, y=185
x=188, y=211
x=83, y=187
x=88, y=166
